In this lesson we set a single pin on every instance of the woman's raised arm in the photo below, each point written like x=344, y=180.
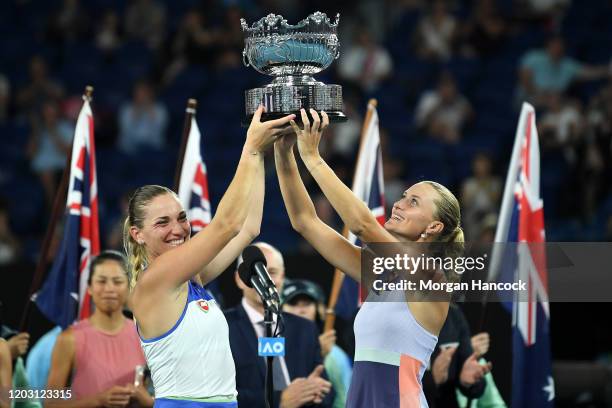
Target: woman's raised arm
x=336, y=249
x=175, y=267
x=248, y=232
x=355, y=214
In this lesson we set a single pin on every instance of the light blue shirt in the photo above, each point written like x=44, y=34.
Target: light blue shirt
x=39, y=359
x=549, y=75
x=140, y=128
x=48, y=156
x=339, y=371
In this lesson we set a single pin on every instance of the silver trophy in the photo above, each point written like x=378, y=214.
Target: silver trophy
x=292, y=54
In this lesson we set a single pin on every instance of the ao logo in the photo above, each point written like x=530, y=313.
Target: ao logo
x=271, y=346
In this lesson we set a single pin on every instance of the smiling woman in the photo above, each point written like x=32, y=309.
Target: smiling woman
x=391, y=353
x=186, y=344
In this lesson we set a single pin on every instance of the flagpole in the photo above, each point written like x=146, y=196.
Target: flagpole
x=505, y=210
x=59, y=205
x=330, y=313
x=189, y=112
x=506, y=205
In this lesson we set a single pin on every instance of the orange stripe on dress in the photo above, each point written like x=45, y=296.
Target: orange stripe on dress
x=409, y=385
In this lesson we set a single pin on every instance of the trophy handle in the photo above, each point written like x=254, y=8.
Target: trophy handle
x=245, y=60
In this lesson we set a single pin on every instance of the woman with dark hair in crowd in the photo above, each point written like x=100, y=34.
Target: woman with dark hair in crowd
x=97, y=358
x=182, y=330
x=393, y=340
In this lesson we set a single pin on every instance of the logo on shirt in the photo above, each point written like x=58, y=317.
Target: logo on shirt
x=203, y=305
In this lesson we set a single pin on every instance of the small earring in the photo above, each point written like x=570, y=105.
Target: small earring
x=140, y=242
x=423, y=235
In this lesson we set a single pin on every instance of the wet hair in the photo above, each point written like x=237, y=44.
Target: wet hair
x=137, y=207
x=107, y=255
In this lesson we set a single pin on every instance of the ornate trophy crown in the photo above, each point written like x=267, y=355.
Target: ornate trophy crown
x=292, y=54
x=275, y=47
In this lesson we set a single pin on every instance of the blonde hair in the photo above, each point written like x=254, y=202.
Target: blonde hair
x=449, y=213
x=136, y=253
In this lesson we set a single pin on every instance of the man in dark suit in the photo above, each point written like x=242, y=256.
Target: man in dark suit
x=297, y=375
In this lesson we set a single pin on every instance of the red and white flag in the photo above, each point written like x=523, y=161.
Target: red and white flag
x=368, y=185
x=193, y=186
x=66, y=283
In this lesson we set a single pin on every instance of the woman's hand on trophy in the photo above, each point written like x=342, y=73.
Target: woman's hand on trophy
x=308, y=138
x=285, y=143
x=262, y=134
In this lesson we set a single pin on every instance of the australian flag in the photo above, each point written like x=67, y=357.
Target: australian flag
x=368, y=184
x=522, y=221
x=63, y=297
x=193, y=185
x=193, y=189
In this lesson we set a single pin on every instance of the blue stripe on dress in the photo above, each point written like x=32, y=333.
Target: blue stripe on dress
x=179, y=403
x=374, y=385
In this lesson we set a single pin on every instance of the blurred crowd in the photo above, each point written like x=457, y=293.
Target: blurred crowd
x=449, y=77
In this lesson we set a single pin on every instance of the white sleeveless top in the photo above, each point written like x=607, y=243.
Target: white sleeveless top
x=193, y=360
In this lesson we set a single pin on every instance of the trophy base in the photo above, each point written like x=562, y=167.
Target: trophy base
x=283, y=98
x=334, y=117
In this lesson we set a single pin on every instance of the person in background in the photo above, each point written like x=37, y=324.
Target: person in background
x=5, y=99
x=491, y=398
x=9, y=244
x=454, y=364
x=306, y=299
x=38, y=363
x=365, y=64
x=40, y=89
x=6, y=371
x=108, y=36
x=18, y=342
x=442, y=113
x=297, y=375
x=485, y=31
x=49, y=146
x=480, y=194
x=196, y=42
x=97, y=358
x=145, y=20
x=143, y=121
x=436, y=32
x=548, y=71
x=69, y=23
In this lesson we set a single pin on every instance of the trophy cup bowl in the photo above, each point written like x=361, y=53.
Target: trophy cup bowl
x=292, y=54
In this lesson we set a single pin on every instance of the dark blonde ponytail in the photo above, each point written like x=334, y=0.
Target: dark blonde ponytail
x=449, y=213
x=136, y=252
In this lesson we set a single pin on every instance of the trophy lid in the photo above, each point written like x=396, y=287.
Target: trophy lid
x=275, y=47
x=274, y=23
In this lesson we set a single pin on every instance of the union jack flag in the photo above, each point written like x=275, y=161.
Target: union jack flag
x=522, y=221
x=193, y=186
x=63, y=297
x=368, y=184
